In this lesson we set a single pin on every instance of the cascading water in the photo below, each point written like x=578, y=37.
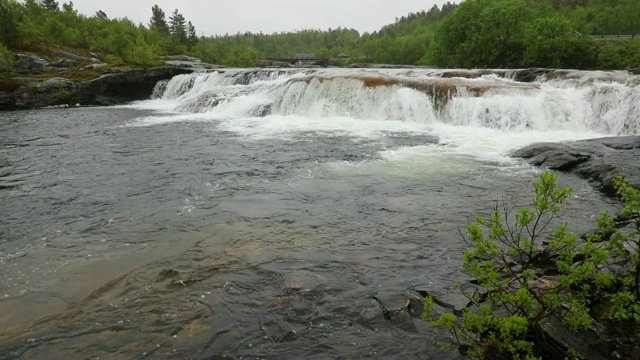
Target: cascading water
x=602, y=105
x=484, y=113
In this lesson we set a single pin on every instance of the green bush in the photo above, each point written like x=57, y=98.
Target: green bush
x=527, y=284
x=6, y=57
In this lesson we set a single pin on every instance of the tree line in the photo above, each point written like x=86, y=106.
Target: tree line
x=37, y=23
x=472, y=34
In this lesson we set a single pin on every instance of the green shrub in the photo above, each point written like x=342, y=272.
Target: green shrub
x=6, y=57
x=527, y=284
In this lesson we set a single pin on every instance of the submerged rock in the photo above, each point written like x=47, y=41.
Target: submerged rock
x=599, y=160
x=392, y=310
x=451, y=299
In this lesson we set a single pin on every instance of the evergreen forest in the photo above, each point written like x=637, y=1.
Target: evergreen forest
x=583, y=34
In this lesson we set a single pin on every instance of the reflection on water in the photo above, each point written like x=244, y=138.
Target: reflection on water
x=183, y=240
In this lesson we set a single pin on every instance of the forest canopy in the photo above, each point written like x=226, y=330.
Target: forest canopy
x=472, y=34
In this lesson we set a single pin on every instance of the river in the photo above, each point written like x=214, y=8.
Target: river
x=259, y=213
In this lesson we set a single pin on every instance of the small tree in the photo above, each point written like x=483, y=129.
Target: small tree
x=510, y=263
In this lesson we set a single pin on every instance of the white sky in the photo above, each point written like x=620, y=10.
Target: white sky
x=230, y=16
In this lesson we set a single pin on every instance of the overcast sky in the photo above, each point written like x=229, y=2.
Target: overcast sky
x=230, y=16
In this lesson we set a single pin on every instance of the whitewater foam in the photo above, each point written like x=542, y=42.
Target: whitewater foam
x=486, y=115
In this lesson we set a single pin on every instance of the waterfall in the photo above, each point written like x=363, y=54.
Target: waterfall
x=579, y=101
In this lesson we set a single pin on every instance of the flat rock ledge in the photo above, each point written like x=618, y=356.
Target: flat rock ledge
x=598, y=160
x=116, y=86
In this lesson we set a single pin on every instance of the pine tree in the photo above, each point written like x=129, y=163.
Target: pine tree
x=158, y=20
x=50, y=5
x=177, y=27
x=192, y=38
x=101, y=15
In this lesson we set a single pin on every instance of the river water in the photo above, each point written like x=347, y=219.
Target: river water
x=259, y=214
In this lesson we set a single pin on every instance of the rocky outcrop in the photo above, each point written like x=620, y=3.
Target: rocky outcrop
x=73, y=57
x=187, y=62
x=30, y=64
x=598, y=160
x=114, y=87
x=125, y=84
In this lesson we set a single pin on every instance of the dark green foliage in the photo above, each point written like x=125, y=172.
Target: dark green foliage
x=9, y=20
x=158, y=20
x=101, y=15
x=178, y=27
x=50, y=5
x=192, y=38
x=552, y=42
x=509, y=262
x=477, y=33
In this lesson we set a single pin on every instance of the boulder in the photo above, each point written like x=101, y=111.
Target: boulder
x=30, y=64
x=598, y=160
x=389, y=310
x=635, y=71
x=451, y=299
x=529, y=75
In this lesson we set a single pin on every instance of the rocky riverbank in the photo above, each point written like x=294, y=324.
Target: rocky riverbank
x=32, y=88
x=598, y=160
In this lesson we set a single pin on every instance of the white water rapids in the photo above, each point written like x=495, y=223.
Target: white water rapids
x=483, y=115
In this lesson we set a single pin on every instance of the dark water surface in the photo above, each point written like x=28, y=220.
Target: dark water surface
x=182, y=240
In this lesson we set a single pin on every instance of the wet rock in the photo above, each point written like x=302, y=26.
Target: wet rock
x=280, y=64
x=530, y=75
x=598, y=160
x=555, y=339
x=373, y=317
x=381, y=66
x=264, y=63
x=635, y=71
x=289, y=336
x=117, y=86
x=126, y=84
x=167, y=273
x=16, y=255
x=396, y=309
x=41, y=93
x=451, y=299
